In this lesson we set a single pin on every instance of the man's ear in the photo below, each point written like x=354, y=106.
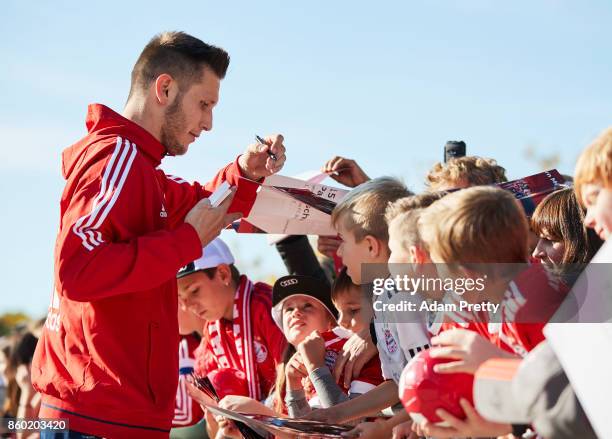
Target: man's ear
x=165, y=89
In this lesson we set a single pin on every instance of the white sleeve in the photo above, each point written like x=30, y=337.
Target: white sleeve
x=413, y=338
x=386, y=365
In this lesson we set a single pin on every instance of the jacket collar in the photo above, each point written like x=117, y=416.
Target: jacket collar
x=100, y=117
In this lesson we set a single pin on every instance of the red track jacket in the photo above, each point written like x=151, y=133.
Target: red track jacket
x=108, y=356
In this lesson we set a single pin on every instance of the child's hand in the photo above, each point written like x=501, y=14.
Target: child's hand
x=345, y=171
x=200, y=397
x=295, y=371
x=371, y=430
x=404, y=431
x=23, y=378
x=356, y=352
x=473, y=426
x=227, y=429
x=312, y=351
x=329, y=415
x=467, y=347
x=244, y=404
x=328, y=245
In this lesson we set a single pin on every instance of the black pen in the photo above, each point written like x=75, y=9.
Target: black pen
x=262, y=141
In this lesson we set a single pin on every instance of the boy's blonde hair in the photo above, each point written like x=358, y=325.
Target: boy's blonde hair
x=476, y=225
x=406, y=212
x=595, y=164
x=472, y=170
x=363, y=209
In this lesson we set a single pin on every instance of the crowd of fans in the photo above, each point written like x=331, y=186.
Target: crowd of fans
x=18, y=398
x=153, y=331
x=312, y=346
x=340, y=361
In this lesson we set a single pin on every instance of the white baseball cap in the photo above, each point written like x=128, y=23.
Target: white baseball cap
x=214, y=254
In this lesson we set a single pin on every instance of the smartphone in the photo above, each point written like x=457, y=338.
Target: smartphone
x=223, y=191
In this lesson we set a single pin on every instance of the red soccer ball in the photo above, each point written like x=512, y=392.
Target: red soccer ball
x=424, y=391
x=229, y=382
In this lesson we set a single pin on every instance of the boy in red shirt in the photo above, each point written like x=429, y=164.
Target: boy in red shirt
x=240, y=332
x=482, y=232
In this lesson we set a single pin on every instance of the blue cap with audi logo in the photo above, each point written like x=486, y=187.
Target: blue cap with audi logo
x=298, y=285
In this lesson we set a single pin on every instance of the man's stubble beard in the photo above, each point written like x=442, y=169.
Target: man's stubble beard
x=174, y=123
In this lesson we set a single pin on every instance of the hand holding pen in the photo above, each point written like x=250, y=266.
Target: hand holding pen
x=263, y=158
x=263, y=142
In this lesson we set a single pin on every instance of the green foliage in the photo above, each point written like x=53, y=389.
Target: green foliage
x=9, y=321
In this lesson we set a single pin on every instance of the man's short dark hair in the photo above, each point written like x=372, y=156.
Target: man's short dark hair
x=181, y=56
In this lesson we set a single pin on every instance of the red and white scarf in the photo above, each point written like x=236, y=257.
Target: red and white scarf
x=243, y=339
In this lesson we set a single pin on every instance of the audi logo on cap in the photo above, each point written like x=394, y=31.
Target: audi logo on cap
x=288, y=282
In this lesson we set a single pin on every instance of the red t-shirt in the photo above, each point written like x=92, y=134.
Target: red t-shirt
x=530, y=300
x=368, y=379
x=269, y=342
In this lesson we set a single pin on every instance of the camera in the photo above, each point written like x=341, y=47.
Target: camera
x=454, y=149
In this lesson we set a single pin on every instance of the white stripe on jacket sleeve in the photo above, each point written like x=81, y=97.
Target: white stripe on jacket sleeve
x=113, y=179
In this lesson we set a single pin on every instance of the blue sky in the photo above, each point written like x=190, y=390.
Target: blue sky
x=385, y=83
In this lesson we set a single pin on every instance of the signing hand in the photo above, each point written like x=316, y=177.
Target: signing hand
x=256, y=163
x=467, y=347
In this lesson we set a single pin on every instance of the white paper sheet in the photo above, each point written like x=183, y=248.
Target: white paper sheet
x=585, y=351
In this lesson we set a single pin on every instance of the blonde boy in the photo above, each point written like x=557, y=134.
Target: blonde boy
x=593, y=184
x=483, y=231
x=360, y=222
x=464, y=172
x=475, y=232
x=405, y=246
x=475, y=225
x=402, y=217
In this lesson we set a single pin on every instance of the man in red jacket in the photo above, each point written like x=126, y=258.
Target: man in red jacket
x=107, y=360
